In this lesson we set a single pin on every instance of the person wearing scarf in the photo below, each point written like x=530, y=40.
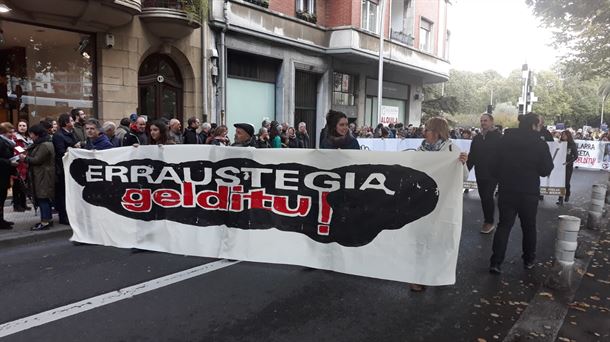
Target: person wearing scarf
x=436, y=139
x=41, y=161
x=7, y=146
x=338, y=135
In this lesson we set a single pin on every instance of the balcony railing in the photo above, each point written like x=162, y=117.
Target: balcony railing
x=193, y=7
x=402, y=37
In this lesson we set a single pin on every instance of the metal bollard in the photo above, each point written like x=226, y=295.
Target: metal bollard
x=566, y=241
x=598, y=202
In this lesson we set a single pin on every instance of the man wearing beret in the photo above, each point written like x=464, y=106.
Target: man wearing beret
x=244, y=135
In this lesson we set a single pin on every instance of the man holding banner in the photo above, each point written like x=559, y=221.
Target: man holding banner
x=522, y=158
x=482, y=151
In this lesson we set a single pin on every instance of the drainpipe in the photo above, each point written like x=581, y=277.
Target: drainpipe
x=223, y=65
x=204, y=69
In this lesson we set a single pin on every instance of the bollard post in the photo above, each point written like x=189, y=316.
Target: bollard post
x=598, y=201
x=566, y=243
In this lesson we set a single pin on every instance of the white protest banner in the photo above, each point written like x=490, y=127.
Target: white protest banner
x=357, y=212
x=590, y=154
x=389, y=115
x=552, y=185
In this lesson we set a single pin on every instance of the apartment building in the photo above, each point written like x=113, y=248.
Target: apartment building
x=108, y=57
x=293, y=60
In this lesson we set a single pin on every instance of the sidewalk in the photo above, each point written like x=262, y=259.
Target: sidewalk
x=21, y=233
x=588, y=317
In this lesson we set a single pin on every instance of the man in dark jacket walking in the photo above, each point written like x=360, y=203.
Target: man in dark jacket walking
x=522, y=159
x=482, y=150
x=62, y=140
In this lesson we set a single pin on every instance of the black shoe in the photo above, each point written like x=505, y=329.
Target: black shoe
x=66, y=222
x=528, y=265
x=541, y=198
x=8, y=223
x=495, y=269
x=566, y=199
x=559, y=201
x=42, y=226
x=4, y=226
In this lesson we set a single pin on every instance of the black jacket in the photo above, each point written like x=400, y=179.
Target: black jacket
x=132, y=138
x=6, y=153
x=482, y=152
x=545, y=135
x=192, y=137
x=303, y=140
x=61, y=141
x=572, y=154
x=521, y=160
x=345, y=143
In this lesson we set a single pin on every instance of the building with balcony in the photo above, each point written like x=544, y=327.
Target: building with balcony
x=293, y=60
x=108, y=57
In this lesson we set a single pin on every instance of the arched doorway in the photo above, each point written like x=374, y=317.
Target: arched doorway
x=160, y=88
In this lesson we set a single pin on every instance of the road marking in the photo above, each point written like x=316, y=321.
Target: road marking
x=25, y=323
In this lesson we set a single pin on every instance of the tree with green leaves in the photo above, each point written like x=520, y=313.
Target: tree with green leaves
x=582, y=28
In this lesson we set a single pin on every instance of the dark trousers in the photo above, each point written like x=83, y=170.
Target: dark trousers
x=486, y=188
x=569, y=170
x=19, y=194
x=60, y=198
x=4, y=183
x=511, y=205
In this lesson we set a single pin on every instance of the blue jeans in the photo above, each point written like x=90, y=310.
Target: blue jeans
x=45, y=209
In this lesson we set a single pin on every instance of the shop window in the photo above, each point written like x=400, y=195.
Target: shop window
x=343, y=89
x=45, y=72
x=369, y=15
x=425, y=35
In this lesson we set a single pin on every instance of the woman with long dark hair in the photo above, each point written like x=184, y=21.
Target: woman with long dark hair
x=158, y=134
x=571, y=157
x=220, y=136
x=338, y=135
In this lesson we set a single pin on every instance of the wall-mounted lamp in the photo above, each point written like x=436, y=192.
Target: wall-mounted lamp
x=4, y=8
x=418, y=96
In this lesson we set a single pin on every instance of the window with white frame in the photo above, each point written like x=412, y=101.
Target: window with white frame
x=425, y=35
x=306, y=6
x=343, y=89
x=369, y=15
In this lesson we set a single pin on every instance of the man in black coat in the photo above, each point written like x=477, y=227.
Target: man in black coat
x=190, y=133
x=303, y=136
x=522, y=159
x=7, y=146
x=482, y=151
x=62, y=140
x=137, y=133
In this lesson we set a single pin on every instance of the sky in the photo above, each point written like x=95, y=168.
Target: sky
x=499, y=35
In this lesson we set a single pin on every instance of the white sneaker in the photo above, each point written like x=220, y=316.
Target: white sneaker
x=487, y=228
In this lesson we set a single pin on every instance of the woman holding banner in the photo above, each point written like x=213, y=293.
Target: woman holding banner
x=436, y=139
x=571, y=157
x=338, y=135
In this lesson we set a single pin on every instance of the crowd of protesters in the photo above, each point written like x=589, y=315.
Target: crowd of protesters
x=512, y=160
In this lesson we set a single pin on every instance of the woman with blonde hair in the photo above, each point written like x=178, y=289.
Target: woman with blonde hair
x=436, y=139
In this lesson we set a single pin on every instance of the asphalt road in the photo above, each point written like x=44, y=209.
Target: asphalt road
x=264, y=302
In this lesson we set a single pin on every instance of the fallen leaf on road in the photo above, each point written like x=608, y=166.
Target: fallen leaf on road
x=494, y=315
x=481, y=340
x=595, y=298
x=546, y=294
x=563, y=339
x=603, y=281
x=547, y=327
x=589, y=274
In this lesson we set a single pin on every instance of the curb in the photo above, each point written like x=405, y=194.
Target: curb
x=21, y=238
